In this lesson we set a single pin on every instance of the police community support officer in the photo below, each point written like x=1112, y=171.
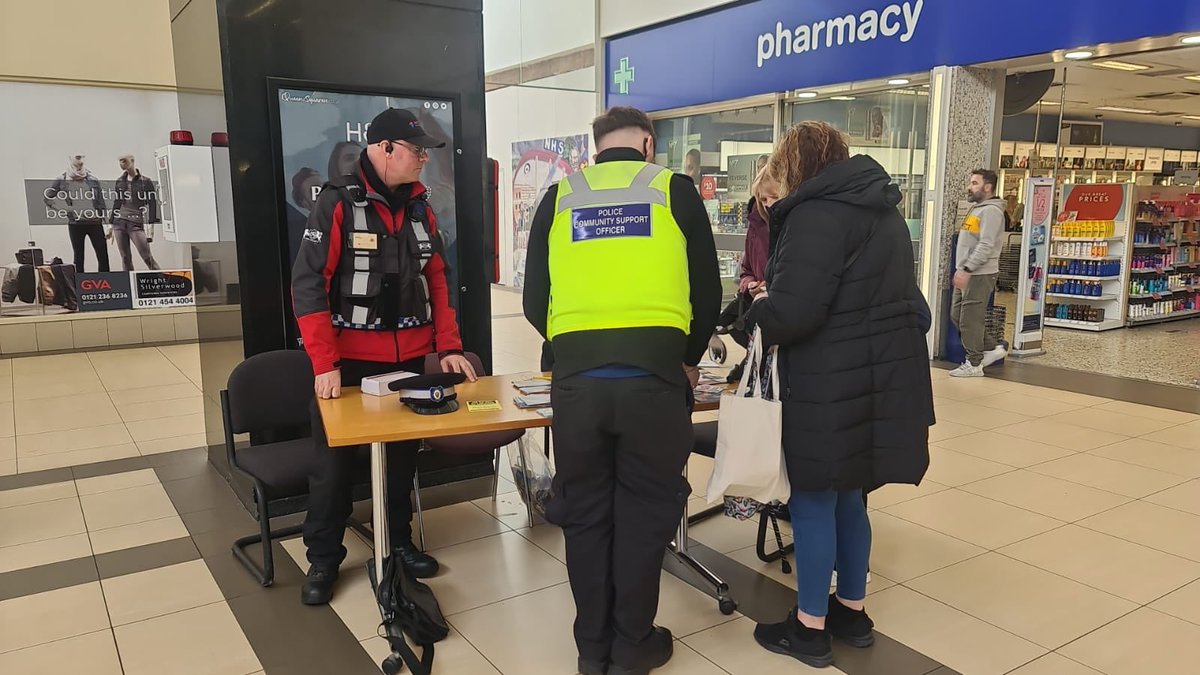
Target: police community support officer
x=621, y=276
x=370, y=295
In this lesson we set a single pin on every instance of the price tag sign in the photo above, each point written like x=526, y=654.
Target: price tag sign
x=163, y=288
x=483, y=406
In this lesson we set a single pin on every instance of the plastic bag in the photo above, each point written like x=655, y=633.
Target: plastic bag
x=540, y=475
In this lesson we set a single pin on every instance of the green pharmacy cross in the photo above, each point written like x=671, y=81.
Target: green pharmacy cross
x=623, y=76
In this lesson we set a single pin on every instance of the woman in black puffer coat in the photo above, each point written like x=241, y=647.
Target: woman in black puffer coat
x=843, y=307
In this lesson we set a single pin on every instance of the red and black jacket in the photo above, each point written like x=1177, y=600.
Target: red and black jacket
x=324, y=251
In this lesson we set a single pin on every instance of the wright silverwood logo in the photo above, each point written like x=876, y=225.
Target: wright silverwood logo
x=310, y=99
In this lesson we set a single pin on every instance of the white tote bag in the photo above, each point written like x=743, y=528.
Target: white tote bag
x=749, y=458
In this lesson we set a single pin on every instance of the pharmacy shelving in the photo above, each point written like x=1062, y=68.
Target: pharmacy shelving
x=1165, y=285
x=1088, y=269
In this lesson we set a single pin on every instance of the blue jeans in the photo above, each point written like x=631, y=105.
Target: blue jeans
x=830, y=528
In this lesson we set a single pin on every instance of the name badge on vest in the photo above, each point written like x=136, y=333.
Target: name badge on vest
x=608, y=222
x=364, y=241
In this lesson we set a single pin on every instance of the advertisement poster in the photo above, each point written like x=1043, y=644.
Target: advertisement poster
x=99, y=291
x=163, y=288
x=536, y=166
x=742, y=171
x=1035, y=250
x=323, y=133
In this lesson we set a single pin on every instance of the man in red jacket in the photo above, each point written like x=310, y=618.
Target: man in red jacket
x=370, y=295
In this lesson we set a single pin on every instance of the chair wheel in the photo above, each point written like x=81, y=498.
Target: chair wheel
x=727, y=605
x=392, y=665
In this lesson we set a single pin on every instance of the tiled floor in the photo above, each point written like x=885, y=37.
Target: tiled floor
x=1057, y=533
x=72, y=409
x=1158, y=352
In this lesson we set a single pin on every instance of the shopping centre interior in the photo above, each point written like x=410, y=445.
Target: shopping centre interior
x=1056, y=532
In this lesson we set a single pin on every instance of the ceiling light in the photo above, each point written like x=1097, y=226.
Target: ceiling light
x=841, y=98
x=1049, y=102
x=807, y=94
x=899, y=81
x=1079, y=55
x=1191, y=117
x=1193, y=78
x=1120, y=109
x=1190, y=40
x=1119, y=65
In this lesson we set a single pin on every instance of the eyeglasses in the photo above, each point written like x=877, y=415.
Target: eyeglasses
x=421, y=153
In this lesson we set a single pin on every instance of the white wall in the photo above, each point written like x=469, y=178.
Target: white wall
x=525, y=114
x=41, y=124
x=619, y=16
x=518, y=31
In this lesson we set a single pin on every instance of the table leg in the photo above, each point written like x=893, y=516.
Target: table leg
x=379, y=496
x=525, y=477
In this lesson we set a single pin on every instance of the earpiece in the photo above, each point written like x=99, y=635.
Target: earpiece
x=388, y=147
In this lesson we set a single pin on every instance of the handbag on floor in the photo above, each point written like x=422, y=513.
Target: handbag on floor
x=411, y=610
x=749, y=457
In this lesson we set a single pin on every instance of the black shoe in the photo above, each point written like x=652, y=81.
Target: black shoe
x=853, y=627
x=656, y=651
x=792, y=638
x=588, y=667
x=418, y=563
x=318, y=586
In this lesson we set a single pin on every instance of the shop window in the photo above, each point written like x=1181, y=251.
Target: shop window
x=890, y=126
x=721, y=152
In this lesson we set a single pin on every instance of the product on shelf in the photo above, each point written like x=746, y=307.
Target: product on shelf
x=1085, y=268
x=1080, y=229
x=1070, y=312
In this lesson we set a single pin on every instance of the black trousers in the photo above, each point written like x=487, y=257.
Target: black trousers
x=620, y=448
x=332, y=473
x=79, y=233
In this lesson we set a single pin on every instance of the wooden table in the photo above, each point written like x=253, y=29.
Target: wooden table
x=361, y=419
x=356, y=419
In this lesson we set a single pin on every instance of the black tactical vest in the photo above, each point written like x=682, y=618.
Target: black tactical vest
x=379, y=283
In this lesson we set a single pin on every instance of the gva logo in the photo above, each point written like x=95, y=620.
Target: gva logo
x=95, y=285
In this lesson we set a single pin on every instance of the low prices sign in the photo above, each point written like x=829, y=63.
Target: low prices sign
x=163, y=288
x=99, y=291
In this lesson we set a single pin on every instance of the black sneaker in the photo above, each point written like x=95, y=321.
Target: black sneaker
x=851, y=626
x=318, y=585
x=656, y=651
x=791, y=638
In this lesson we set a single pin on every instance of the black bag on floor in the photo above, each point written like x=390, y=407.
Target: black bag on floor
x=411, y=609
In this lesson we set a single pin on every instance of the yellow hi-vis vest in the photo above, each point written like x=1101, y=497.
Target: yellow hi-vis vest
x=617, y=257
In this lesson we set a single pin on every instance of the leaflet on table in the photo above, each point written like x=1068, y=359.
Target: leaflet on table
x=533, y=401
x=528, y=387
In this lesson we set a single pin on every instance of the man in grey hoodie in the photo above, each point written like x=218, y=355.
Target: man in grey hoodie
x=978, y=259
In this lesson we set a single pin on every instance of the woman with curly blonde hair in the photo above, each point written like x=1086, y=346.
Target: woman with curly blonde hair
x=841, y=305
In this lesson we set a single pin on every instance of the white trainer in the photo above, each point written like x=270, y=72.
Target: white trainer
x=967, y=370
x=993, y=356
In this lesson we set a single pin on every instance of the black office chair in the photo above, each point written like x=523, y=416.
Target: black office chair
x=270, y=395
x=467, y=444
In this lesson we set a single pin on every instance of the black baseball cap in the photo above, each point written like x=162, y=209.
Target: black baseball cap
x=396, y=124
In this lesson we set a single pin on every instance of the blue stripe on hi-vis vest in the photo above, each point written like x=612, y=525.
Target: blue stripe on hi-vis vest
x=606, y=222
